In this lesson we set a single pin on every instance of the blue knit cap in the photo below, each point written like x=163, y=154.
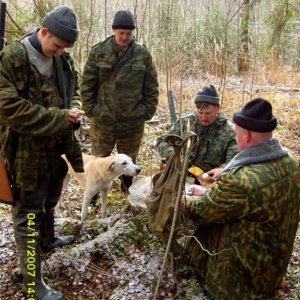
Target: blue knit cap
x=208, y=95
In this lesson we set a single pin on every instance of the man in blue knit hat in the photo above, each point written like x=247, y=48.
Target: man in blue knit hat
x=216, y=140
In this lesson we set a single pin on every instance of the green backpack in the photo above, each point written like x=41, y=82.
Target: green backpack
x=166, y=185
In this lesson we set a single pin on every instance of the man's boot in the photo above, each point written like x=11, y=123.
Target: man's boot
x=48, y=239
x=126, y=182
x=47, y=232
x=30, y=265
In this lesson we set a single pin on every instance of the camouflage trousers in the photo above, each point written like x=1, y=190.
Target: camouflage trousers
x=220, y=272
x=125, y=137
x=38, y=204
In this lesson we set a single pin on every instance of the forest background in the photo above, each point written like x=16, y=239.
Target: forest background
x=246, y=48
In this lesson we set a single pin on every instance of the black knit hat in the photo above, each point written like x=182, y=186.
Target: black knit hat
x=62, y=22
x=208, y=95
x=256, y=116
x=123, y=19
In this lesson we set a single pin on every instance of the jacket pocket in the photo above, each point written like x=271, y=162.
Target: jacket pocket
x=138, y=68
x=104, y=67
x=138, y=71
x=133, y=76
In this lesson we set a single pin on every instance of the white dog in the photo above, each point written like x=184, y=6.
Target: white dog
x=98, y=175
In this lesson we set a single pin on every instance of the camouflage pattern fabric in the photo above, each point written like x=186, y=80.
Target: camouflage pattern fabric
x=216, y=143
x=248, y=221
x=32, y=136
x=118, y=104
x=126, y=139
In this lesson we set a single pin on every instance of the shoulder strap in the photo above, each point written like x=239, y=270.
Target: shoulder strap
x=114, y=71
x=118, y=66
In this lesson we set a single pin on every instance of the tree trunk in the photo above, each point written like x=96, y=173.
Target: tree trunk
x=243, y=56
x=279, y=18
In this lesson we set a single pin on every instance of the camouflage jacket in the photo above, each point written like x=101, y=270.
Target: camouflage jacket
x=130, y=94
x=32, y=134
x=216, y=143
x=248, y=221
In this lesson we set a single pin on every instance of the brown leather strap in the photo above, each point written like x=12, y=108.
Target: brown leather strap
x=117, y=67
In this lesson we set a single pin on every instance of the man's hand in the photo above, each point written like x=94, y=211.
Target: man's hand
x=215, y=173
x=196, y=190
x=75, y=115
x=192, y=190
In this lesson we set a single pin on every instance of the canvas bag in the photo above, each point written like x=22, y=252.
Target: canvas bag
x=5, y=187
x=162, y=200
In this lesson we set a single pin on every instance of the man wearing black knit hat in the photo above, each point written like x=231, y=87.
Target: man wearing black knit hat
x=39, y=110
x=216, y=140
x=119, y=91
x=249, y=218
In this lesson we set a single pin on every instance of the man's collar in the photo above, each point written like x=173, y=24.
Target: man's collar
x=34, y=41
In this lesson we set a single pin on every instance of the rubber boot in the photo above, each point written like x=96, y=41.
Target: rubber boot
x=126, y=182
x=47, y=232
x=34, y=286
x=28, y=213
x=48, y=240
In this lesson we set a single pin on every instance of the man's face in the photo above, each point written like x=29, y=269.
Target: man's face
x=123, y=37
x=241, y=135
x=52, y=45
x=207, y=115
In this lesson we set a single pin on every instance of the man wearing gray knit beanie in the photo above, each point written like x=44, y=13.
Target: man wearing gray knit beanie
x=119, y=91
x=39, y=110
x=216, y=140
x=62, y=23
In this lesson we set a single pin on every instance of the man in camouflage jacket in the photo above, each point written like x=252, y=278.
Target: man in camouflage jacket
x=39, y=109
x=248, y=220
x=216, y=140
x=119, y=91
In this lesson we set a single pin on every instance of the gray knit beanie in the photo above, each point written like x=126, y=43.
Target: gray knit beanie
x=62, y=22
x=208, y=95
x=123, y=19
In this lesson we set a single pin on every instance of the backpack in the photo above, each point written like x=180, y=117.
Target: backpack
x=166, y=185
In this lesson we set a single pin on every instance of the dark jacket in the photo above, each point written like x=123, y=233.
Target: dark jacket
x=32, y=134
x=130, y=94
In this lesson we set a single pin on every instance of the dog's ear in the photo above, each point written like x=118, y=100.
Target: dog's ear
x=111, y=166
